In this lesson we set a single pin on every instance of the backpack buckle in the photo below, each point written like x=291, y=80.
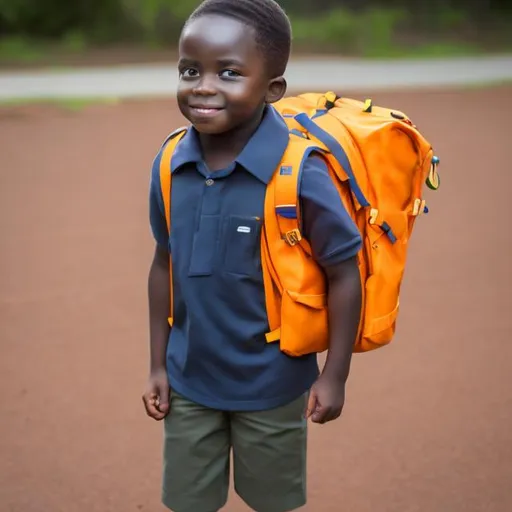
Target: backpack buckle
x=418, y=207
x=293, y=237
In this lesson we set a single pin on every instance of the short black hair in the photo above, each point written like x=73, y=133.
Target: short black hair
x=266, y=17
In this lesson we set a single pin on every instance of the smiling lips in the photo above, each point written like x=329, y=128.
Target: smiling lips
x=205, y=110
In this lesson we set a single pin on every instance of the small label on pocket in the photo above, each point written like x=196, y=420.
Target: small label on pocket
x=242, y=245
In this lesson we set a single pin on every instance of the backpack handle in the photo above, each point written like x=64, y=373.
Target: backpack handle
x=337, y=151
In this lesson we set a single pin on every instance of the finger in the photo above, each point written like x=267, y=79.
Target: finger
x=333, y=415
x=321, y=415
x=163, y=400
x=312, y=404
x=150, y=403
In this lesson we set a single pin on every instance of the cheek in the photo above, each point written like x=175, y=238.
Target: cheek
x=182, y=95
x=183, y=90
x=182, y=101
x=249, y=92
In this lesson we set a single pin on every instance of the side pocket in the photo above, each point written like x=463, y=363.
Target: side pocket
x=304, y=324
x=382, y=308
x=382, y=290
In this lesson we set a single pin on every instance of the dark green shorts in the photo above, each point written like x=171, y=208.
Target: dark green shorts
x=269, y=457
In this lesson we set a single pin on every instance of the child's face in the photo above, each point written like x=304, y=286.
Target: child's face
x=224, y=81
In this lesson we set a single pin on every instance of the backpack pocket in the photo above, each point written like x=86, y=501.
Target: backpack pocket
x=303, y=323
x=386, y=262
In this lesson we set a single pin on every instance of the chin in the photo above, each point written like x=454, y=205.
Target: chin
x=209, y=129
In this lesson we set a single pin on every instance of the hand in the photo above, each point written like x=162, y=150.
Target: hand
x=156, y=397
x=326, y=400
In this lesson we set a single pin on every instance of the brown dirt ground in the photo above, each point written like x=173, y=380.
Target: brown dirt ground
x=427, y=425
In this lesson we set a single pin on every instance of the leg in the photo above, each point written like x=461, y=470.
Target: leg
x=269, y=449
x=196, y=457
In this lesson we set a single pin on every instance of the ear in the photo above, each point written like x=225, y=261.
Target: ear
x=276, y=89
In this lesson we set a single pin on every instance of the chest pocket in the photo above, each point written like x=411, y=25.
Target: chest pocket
x=242, y=245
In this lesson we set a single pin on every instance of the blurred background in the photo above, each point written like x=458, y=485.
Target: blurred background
x=50, y=31
x=86, y=99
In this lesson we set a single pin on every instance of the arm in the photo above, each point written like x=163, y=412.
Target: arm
x=335, y=242
x=327, y=396
x=344, y=302
x=156, y=396
x=158, y=294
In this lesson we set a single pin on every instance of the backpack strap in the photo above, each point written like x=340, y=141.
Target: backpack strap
x=337, y=151
x=168, y=148
x=283, y=222
x=286, y=191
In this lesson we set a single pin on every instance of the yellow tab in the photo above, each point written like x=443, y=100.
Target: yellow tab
x=368, y=104
x=330, y=97
x=321, y=102
x=273, y=336
x=416, y=210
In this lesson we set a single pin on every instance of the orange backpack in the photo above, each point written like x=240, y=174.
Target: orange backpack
x=379, y=162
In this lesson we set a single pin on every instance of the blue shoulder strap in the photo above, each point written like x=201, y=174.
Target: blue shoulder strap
x=339, y=153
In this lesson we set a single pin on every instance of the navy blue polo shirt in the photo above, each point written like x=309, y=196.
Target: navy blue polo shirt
x=217, y=354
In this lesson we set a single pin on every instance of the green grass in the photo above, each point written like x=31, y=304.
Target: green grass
x=489, y=84
x=17, y=49
x=386, y=33
x=370, y=34
x=425, y=51
x=69, y=104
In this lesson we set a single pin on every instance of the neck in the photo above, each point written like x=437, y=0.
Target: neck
x=227, y=146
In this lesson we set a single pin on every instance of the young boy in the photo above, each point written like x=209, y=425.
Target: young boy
x=217, y=382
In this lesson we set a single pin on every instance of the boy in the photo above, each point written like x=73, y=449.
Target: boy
x=214, y=378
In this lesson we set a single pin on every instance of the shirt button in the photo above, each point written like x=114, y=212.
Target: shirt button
x=209, y=182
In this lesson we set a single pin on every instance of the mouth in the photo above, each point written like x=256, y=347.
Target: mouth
x=205, y=111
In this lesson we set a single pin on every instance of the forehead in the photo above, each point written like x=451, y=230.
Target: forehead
x=219, y=37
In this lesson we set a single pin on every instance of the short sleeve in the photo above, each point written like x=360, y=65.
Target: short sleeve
x=156, y=205
x=326, y=224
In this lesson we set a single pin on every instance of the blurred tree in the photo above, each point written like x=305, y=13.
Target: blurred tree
x=56, y=18
x=159, y=21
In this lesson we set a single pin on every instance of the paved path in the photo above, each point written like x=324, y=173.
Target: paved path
x=161, y=80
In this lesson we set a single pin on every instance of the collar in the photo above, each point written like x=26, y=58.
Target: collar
x=260, y=156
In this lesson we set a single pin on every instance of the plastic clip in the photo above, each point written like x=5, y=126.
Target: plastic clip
x=293, y=237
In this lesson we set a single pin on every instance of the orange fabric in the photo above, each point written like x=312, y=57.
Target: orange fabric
x=291, y=282
x=165, y=185
x=391, y=161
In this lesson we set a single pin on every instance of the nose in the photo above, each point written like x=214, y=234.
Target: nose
x=205, y=86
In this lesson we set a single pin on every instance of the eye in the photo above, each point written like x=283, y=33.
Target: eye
x=189, y=73
x=230, y=73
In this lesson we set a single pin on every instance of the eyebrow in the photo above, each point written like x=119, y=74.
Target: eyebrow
x=231, y=62
x=221, y=62
x=189, y=62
